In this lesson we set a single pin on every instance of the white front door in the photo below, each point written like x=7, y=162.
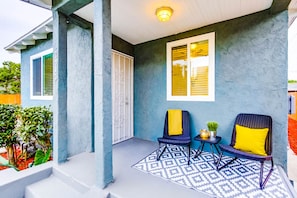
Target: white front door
x=122, y=97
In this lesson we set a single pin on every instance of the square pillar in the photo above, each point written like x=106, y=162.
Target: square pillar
x=59, y=87
x=102, y=92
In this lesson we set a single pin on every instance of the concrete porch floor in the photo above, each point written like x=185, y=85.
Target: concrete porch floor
x=132, y=183
x=128, y=182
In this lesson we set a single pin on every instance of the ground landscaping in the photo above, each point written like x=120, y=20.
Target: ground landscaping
x=25, y=136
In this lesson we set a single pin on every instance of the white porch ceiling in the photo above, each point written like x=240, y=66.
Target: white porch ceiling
x=135, y=20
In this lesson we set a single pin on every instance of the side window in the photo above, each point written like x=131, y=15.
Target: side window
x=191, y=69
x=41, y=75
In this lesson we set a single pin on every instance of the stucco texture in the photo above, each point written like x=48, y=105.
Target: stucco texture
x=250, y=77
x=79, y=90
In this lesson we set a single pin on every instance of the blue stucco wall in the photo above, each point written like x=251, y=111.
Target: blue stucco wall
x=80, y=121
x=41, y=45
x=79, y=89
x=121, y=45
x=251, y=77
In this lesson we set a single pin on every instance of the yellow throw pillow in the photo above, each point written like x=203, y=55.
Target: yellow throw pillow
x=251, y=140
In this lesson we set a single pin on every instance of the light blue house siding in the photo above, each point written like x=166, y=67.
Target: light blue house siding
x=40, y=46
x=250, y=77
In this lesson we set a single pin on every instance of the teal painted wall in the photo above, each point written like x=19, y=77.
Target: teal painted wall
x=250, y=77
x=121, y=45
x=79, y=86
x=79, y=90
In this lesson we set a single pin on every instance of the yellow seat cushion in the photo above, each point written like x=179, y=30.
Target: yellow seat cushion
x=251, y=140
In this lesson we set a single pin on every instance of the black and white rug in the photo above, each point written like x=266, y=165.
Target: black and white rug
x=239, y=179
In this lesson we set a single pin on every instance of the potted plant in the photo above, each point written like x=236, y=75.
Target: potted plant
x=8, y=136
x=212, y=127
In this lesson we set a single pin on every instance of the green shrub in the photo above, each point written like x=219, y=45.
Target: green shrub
x=30, y=126
x=34, y=126
x=8, y=136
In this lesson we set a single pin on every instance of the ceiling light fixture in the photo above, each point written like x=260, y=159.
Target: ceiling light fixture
x=164, y=13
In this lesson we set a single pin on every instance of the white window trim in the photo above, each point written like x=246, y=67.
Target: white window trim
x=211, y=75
x=31, y=75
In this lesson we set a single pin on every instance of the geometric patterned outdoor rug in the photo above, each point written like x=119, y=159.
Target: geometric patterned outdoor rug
x=239, y=179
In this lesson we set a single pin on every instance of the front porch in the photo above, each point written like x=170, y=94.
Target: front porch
x=76, y=177
x=79, y=172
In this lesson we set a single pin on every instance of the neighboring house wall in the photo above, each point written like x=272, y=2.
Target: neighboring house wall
x=250, y=77
x=40, y=46
x=292, y=122
x=294, y=114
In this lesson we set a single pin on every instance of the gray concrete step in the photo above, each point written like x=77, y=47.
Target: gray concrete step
x=55, y=187
x=66, y=180
x=13, y=183
x=51, y=187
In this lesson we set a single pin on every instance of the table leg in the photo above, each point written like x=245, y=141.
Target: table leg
x=211, y=149
x=214, y=158
x=217, y=149
x=200, y=149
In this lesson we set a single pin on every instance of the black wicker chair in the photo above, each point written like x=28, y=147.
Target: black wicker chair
x=183, y=140
x=257, y=122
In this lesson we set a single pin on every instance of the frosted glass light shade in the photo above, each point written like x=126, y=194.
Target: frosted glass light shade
x=164, y=13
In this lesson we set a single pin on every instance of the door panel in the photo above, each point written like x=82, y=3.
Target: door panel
x=122, y=96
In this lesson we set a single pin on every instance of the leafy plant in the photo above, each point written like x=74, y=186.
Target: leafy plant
x=292, y=81
x=10, y=77
x=41, y=156
x=8, y=136
x=212, y=126
x=31, y=126
x=34, y=127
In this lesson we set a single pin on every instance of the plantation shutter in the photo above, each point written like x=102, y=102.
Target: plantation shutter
x=199, y=68
x=199, y=82
x=48, y=75
x=179, y=71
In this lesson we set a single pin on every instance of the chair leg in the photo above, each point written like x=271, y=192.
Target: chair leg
x=220, y=159
x=263, y=183
x=158, y=152
x=189, y=153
